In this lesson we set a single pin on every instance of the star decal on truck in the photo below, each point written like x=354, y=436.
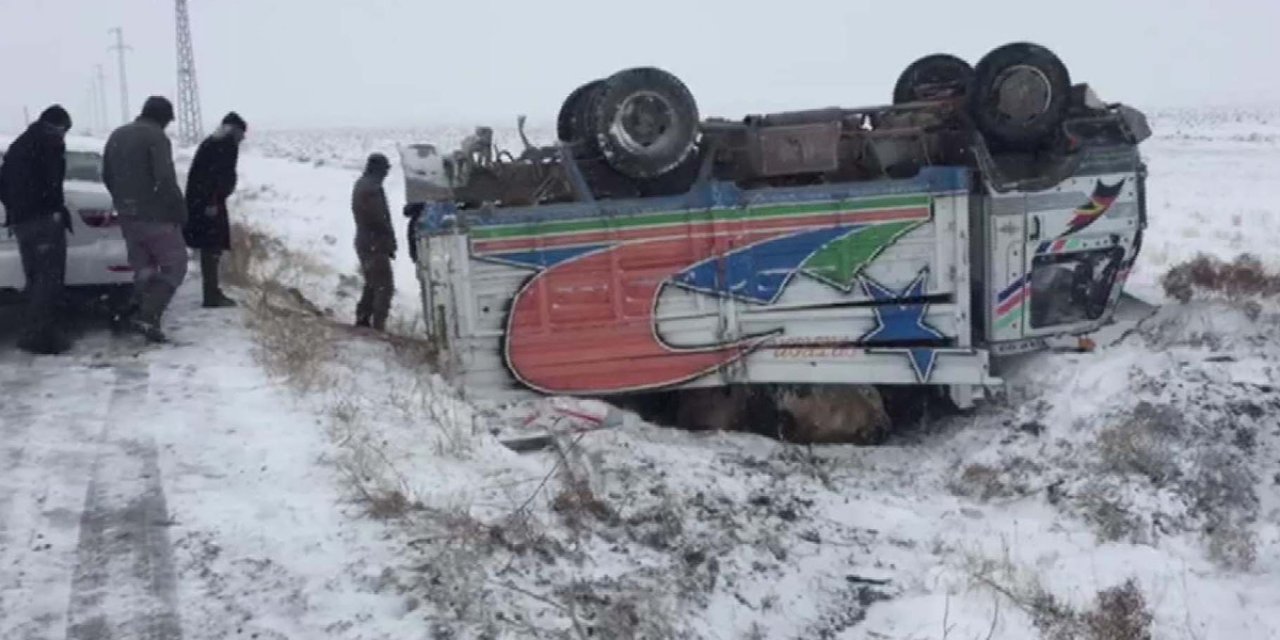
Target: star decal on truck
x=902, y=319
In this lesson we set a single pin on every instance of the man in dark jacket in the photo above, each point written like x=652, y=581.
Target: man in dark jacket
x=375, y=243
x=31, y=178
x=211, y=181
x=137, y=168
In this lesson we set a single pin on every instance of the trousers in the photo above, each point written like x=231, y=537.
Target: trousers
x=42, y=244
x=158, y=256
x=379, y=287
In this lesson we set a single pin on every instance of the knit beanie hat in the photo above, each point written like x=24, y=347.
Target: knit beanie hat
x=56, y=116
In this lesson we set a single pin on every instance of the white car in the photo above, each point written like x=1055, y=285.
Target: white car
x=97, y=262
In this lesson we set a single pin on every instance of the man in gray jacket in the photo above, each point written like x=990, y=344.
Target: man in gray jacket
x=137, y=167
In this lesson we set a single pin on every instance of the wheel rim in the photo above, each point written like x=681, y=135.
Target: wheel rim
x=643, y=121
x=1022, y=93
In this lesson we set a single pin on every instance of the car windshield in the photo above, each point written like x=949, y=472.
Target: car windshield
x=84, y=166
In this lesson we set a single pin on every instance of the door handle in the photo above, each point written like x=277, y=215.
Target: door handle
x=1035, y=235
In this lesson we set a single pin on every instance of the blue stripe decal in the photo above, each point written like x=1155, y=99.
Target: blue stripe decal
x=541, y=258
x=760, y=272
x=1012, y=289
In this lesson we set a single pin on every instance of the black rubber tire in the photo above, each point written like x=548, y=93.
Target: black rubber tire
x=653, y=145
x=678, y=181
x=569, y=121
x=1023, y=130
x=939, y=71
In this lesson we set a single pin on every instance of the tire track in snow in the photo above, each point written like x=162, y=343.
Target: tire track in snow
x=50, y=414
x=124, y=584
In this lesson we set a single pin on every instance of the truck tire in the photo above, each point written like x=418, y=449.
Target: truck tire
x=678, y=181
x=569, y=121
x=1019, y=95
x=644, y=121
x=933, y=77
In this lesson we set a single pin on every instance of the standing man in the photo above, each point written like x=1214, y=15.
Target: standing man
x=211, y=181
x=375, y=243
x=137, y=168
x=31, y=191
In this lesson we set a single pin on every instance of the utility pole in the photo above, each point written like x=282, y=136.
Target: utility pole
x=190, y=126
x=88, y=119
x=120, y=47
x=102, y=99
x=26, y=116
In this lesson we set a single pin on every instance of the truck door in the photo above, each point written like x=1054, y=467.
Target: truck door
x=1079, y=238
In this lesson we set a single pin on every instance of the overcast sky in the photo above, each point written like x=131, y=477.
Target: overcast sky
x=307, y=63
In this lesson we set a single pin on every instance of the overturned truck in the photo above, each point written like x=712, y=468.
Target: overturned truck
x=782, y=267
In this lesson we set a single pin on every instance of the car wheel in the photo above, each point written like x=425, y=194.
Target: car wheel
x=569, y=121
x=933, y=77
x=1019, y=94
x=644, y=121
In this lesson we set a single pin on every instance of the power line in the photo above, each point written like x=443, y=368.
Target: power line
x=120, y=47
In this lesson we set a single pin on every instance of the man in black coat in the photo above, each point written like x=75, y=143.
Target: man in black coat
x=375, y=243
x=211, y=181
x=31, y=178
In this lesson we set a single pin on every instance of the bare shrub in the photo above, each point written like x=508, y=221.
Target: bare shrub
x=1223, y=492
x=1221, y=484
x=577, y=502
x=1231, y=543
x=985, y=482
x=370, y=474
x=658, y=527
x=1111, y=518
x=294, y=349
x=1119, y=613
x=1243, y=277
x=249, y=248
x=626, y=608
x=1142, y=443
x=416, y=351
x=1211, y=478
x=450, y=414
x=257, y=259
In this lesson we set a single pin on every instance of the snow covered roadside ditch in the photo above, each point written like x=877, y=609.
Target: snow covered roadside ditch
x=1153, y=460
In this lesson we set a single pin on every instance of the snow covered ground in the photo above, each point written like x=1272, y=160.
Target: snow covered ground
x=1156, y=459
x=143, y=490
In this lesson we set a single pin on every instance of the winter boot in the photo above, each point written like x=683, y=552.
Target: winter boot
x=152, y=301
x=217, y=300
x=213, y=296
x=149, y=330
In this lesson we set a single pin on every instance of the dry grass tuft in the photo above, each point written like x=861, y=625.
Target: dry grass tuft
x=1238, y=280
x=253, y=253
x=291, y=348
x=1118, y=613
x=1143, y=442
